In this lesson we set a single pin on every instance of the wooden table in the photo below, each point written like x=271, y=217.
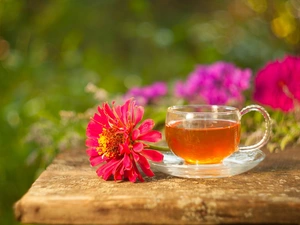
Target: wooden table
x=69, y=192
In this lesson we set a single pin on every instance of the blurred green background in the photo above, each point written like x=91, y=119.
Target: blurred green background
x=50, y=51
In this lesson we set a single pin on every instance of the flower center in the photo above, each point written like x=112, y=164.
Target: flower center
x=109, y=141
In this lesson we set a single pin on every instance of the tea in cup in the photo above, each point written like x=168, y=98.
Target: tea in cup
x=207, y=134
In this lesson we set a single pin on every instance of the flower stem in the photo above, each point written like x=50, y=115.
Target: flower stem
x=160, y=148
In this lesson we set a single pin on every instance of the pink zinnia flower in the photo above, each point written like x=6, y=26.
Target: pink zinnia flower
x=278, y=84
x=117, y=143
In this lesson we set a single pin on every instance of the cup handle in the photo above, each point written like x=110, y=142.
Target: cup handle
x=267, y=133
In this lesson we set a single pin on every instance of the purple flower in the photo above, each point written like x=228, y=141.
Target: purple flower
x=147, y=94
x=278, y=84
x=217, y=83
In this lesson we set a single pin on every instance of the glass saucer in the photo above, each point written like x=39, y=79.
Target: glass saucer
x=237, y=163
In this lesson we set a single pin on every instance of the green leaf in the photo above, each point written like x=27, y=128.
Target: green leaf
x=285, y=141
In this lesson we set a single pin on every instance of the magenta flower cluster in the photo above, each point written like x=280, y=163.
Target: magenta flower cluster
x=218, y=83
x=276, y=85
x=147, y=94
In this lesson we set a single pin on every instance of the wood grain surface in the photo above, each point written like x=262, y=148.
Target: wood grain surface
x=69, y=192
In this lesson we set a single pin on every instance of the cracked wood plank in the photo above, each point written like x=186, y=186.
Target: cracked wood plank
x=69, y=192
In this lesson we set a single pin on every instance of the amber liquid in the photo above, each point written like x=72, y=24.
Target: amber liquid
x=203, y=141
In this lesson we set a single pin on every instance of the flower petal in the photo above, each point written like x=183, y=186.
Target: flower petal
x=146, y=126
x=124, y=110
x=138, y=147
x=91, y=142
x=94, y=161
x=92, y=152
x=119, y=171
x=145, y=166
x=151, y=136
x=139, y=113
x=136, y=156
x=93, y=129
x=131, y=175
x=127, y=162
x=106, y=170
x=135, y=134
x=153, y=155
x=124, y=149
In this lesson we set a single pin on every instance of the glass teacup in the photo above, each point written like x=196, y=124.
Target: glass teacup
x=207, y=134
